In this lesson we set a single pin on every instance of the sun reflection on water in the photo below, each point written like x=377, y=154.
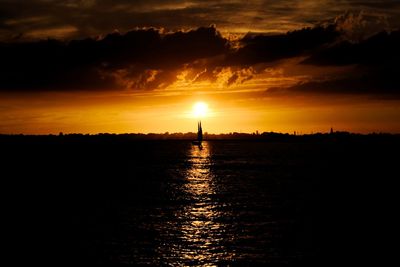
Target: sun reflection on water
x=201, y=233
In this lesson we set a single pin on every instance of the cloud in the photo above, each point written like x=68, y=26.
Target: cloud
x=375, y=71
x=96, y=17
x=381, y=48
x=266, y=48
x=382, y=84
x=128, y=60
x=360, y=25
x=148, y=59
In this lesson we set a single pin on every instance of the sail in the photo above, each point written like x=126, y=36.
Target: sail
x=199, y=132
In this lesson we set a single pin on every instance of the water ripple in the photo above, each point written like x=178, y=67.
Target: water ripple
x=198, y=226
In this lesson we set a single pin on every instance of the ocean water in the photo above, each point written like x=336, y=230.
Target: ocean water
x=168, y=203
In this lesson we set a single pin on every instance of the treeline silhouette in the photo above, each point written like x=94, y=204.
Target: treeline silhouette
x=267, y=136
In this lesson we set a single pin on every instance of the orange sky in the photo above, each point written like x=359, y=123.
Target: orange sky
x=239, y=107
x=241, y=112
x=87, y=66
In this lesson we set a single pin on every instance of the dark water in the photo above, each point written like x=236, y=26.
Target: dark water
x=171, y=203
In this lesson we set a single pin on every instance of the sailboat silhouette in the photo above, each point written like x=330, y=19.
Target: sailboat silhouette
x=199, y=135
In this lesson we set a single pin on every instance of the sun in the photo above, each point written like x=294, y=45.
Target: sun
x=200, y=110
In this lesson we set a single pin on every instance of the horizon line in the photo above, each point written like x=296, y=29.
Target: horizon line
x=294, y=133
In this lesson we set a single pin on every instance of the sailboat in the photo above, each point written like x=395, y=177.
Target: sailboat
x=199, y=135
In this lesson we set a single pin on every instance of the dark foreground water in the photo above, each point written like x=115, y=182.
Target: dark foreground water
x=170, y=203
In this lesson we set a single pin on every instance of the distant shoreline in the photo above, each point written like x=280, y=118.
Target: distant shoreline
x=267, y=136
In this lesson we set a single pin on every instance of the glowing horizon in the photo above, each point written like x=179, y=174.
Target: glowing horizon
x=121, y=114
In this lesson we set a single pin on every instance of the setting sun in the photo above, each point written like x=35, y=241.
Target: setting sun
x=200, y=110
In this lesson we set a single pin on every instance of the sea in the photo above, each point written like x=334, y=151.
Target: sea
x=92, y=201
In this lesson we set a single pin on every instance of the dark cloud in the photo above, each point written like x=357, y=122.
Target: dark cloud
x=150, y=59
x=116, y=61
x=261, y=48
x=382, y=48
x=382, y=84
x=376, y=71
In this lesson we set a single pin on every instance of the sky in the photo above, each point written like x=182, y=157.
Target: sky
x=93, y=66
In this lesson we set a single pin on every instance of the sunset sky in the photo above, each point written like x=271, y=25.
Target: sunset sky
x=92, y=66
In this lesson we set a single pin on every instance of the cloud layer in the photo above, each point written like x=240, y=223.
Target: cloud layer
x=148, y=59
x=138, y=59
x=33, y=19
